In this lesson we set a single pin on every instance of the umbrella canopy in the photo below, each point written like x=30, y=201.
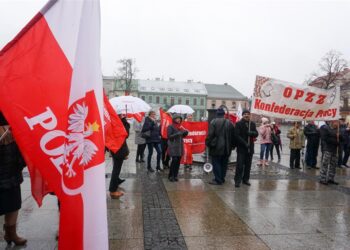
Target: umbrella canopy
x=129, y=104
x=181, y=109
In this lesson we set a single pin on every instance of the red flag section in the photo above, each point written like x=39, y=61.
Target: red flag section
x=165, y=121
x=115, y=133
x=51, y=95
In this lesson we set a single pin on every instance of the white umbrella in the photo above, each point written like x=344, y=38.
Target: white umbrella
x=129, y=104
x=181, y=109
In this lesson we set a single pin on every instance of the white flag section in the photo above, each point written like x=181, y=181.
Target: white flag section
x=239, y=111
x=281, y=99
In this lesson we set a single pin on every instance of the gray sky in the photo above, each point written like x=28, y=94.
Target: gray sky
x=211, y=41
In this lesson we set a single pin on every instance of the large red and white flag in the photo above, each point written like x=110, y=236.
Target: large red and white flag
x=51, y=94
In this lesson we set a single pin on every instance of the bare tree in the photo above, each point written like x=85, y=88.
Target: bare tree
x=126, y=74
x=331, y=67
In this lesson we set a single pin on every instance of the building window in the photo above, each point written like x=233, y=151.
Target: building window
x=187, y=101
x=157, y=99
x=233, y=105
x=172, y=100
x=179, y=100
x=150, y=99
x=165, y=100
x=202, y=101
x=143, y=97
x=195, y=101
x=223, y=102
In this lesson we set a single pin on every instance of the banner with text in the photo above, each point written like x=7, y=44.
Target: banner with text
x=281, y=99
x=197, y=132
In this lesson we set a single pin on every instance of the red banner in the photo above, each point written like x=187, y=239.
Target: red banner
x=198, y=131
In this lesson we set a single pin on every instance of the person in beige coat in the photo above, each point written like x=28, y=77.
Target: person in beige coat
x=297, y=142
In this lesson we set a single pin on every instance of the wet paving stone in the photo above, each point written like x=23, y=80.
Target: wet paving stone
x=225, y=243
x=160, y=226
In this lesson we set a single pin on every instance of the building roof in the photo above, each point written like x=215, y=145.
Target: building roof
x=173, y=87
x=223, y=91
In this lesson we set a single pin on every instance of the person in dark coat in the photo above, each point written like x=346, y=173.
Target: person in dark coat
x=220, y=142
x=176, y=133
x=312, y=134
x=118, y=159
x=331, y=140
x=153, y=141
x=246, y=134
x=276, y=144
x=323, y=128
x=343, y=154
x=139, y=141
x=11, y=166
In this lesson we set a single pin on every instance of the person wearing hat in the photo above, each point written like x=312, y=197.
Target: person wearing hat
x=176, y=133
x=265, y=141
x=331, y=139
x=220, y=141
x=297, y=142
x=246, y=134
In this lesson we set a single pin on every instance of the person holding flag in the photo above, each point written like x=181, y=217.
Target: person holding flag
x=118, y=159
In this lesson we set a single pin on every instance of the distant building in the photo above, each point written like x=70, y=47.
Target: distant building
x=344, y=83
x=114, y=87
x=199, y=96
x=225, y=94
x=168, y=93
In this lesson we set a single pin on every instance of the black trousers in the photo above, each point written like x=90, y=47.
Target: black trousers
x=277, y=147
x=174, y=166
x=115, y=180
x=165, y=156
x=244, y=164
x=140, y=152
x=294, y=161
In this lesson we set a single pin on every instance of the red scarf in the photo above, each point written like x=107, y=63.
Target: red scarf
x=178, y=126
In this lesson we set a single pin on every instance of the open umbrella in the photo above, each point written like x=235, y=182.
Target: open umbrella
x=133, y=107
x=181, y=109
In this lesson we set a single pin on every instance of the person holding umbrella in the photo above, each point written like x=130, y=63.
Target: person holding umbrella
x=176, y=133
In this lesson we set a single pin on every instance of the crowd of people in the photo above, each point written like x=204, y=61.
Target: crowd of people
x=333, y=138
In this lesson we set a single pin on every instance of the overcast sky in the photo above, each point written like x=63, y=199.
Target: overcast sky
x=210, y=41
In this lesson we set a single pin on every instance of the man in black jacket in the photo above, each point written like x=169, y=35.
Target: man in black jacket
x=220, y=141
x=246, y=133
x=312, y=133
x=331, y=141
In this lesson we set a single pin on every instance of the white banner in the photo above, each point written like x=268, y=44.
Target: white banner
x=281, y=99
